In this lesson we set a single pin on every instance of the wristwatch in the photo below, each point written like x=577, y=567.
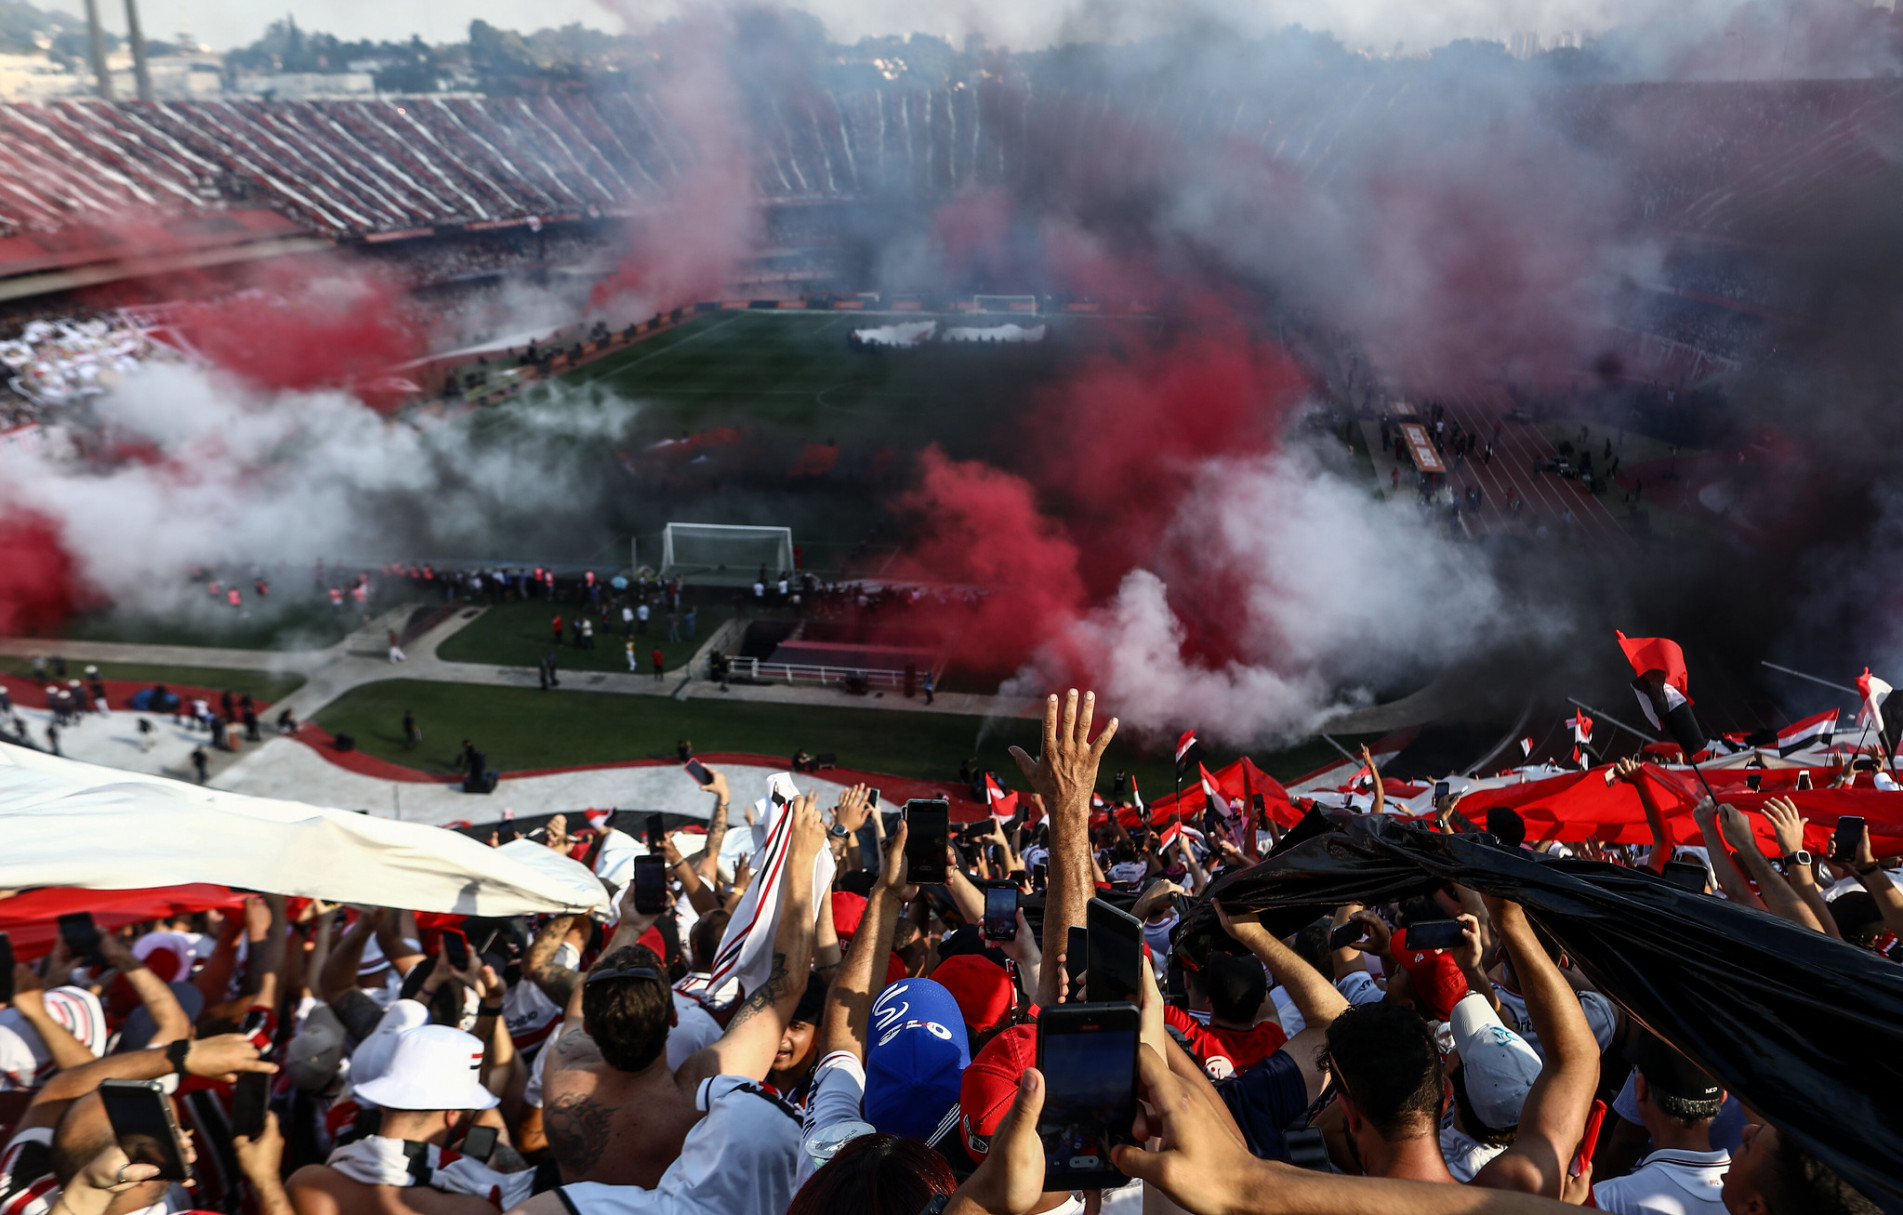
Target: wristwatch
x=1800, y=857
x=175, y=1052
x=838, y=832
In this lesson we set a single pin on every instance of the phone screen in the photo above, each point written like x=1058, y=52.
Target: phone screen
x=455, y=949
x=1432, y=934
x=1346, y=935
x=1088, y=1054
x=1803, y=778
x=1116, y=954
x=1076, y=959
x=701, y=777
x=657, y=834
x=650, y=884
x=1001, y=913
x=1686, y=875
x=6, y=968
x=1843, y=841
x=81, y=935
x=927, y=827
x=1441, y=788
x=872, y=798
x=250, y=1101
x=480, y=1143
x=142, y=1122
x=1039, y=873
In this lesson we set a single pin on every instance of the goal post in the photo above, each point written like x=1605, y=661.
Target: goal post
x=1021, y=304
x=725, y=553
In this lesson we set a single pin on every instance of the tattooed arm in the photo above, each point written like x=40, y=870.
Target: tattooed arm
x=752, y=1037
x=557, y=982
x=709, y=866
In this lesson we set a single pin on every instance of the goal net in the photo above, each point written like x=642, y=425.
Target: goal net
x=716, y=552
x=1006, y=303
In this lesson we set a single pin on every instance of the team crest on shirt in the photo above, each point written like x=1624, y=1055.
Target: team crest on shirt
x=1219, y=1067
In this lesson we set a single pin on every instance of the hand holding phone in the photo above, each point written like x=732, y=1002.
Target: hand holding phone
x=927, y=833
x=1846, y=840
x=698, y=772
x=650, y=884
x=1433, y=934
x=81, y=937
x=1001, y=913
x=1088, y=1054
x=456, y=949
x=1116, y=953
x=145, y=1126
x=656, y=834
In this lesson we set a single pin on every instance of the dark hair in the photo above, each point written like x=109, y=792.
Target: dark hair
x=1684, y=1110
x=1235, y=987
x=876, y=1175
x=1808, y=1186
x=1505, y=824
x=1311, y=944
x=858, y=881
x=1420, y=909
x=628, y=1018
x=1857, y=917
x=704, y=938
x=1477, y=1126
x=1385, y=1057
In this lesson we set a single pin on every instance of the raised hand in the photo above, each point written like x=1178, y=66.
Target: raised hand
x=854, y=807
x=1788, y=824
x=1066, y=772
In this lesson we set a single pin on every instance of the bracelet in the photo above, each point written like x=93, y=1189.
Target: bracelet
x=1873, y=867
x=489, y=1010
x=175, y=1052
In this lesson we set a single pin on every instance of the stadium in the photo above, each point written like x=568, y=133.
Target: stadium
x=400, y=486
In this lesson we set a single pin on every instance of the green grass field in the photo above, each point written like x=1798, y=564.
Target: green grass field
x=266, y=686
x=522, y=728
x=518, y=634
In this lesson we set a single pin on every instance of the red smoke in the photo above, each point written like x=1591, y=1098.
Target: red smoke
x=1110, y=454
x=293, y=334
x=38, y=580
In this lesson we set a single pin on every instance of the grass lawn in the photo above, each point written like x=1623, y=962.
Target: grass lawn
x=522, y=728
x=519, y=634
x=298, y=621
x=265, y=686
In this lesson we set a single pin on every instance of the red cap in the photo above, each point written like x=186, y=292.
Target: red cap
x=895, y=969
x=1434, y=975
x=980, y=986
x=990, y=1085
x=848, y=910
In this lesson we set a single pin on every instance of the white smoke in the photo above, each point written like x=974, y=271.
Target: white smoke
x=253, y=477
x=1339, y=590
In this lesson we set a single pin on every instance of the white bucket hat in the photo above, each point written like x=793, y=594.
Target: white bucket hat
x=435, y=1067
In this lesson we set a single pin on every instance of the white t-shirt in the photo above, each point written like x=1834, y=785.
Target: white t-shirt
x=1127, y=871
x=1464, y=1154
x=1668, y=1182
x=835, y=1111
x=741, y=1159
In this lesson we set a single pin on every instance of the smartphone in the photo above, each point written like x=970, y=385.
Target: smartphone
x=250, y=1102
x=456, y=949
x=1582, y=1160
x=1347, y=935
x=1001, y=913
x=872, y=798
x=480, y=1143
x=927, y=831
x=1441, y=789
x=702, y=777
x=1753, y=782
x=1864, y=765
x=657, y=834
x=6, y=969
x=145, y=1126
x=1844, y=842
x=1686, y=875
x=1432, y=934
x=1076, y=960
x=1803, y=778
x=1116, y=954
x=1040, y=872
x=81, y=935
x=1088, y=1054
x=650, y=884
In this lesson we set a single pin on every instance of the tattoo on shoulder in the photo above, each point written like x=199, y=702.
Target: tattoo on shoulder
x=577, y=1127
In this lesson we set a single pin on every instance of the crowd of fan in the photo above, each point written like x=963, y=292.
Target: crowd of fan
x=885, y=1060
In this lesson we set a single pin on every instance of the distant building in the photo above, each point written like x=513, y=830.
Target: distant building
x=306, y=86
x=34, y=77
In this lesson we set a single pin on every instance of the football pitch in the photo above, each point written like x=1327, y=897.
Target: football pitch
x=793, y=372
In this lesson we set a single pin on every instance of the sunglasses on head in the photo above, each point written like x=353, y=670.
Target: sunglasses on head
x=623, y=972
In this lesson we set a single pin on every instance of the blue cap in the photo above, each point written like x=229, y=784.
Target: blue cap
x=917, y=1058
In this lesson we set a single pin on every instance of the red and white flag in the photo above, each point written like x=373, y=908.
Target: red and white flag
x=1004, y=806
x=1581, y=726
x=1184, y=746
x=1874, y=692
x=1136, y=799
x=598, y=818
x=1801, y=734
x=1526, y=747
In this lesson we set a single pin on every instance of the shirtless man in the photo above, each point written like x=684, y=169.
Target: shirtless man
x=613, y=1111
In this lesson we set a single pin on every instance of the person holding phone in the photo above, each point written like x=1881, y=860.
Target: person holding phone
x=1872, y=875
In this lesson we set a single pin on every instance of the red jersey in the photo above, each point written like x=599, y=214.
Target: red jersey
x=1224, y=1052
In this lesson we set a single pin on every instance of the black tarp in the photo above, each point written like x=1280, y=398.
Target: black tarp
x=1805, y=1029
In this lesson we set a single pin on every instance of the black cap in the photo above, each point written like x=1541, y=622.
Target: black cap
x=1671, y=1073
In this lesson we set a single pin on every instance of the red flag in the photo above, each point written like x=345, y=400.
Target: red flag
x=1004, y=806
x=1183, y=745
x=1657, y=654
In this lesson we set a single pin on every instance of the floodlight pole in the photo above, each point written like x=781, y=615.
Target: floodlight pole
x=1801, y=675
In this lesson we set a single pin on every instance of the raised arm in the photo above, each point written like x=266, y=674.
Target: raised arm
x=700, y=896
x=1314, y=996
x=540, y=967
x=66, y=1051
x=1729, y=879
x=1064, y=776
x=169, y=1022
x=753, y=1035
x=1632, y=772
x=339, y=972
x=222, y=1056
x=1888, y=898
x=1779, y=899
x=716, y=825
x=843, y=1026
x=1374, y=774
x=1802, y=879
x=1553, y=1119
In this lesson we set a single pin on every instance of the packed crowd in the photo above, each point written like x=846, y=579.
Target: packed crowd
x=874, y=1012
x=63, y=361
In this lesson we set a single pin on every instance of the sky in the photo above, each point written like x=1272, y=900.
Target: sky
x=1018, y=24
